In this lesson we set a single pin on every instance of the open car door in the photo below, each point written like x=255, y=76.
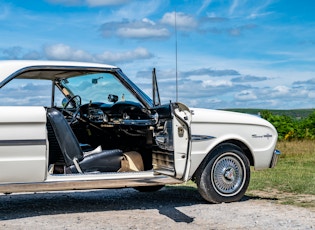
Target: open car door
x=172, y=147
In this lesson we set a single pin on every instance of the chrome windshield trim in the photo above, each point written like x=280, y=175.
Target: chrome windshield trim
x=144, y=98
x=201, y=137
x=53, y=67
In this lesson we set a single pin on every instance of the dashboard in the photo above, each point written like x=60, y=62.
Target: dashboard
x=119, y=113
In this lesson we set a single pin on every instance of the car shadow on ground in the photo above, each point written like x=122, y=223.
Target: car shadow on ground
x=166, y=201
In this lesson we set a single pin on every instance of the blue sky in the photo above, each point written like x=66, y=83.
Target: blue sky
x=230, y=53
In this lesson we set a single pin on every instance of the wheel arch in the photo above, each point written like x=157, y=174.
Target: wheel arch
x=242, y=146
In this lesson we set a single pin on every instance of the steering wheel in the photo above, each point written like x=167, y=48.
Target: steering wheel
x=77, y=108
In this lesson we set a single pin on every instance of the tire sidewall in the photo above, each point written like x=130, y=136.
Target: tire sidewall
x=205, y=183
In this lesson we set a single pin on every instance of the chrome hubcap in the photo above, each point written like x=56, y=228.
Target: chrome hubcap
x=230, y=174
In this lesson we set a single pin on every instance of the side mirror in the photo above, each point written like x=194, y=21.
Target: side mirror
x=155, y=90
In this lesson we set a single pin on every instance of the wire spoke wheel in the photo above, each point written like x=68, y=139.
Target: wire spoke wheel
x=228, y=174
x=224, y=175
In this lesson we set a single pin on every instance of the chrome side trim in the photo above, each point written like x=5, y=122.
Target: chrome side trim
x=86, y=184
x=22, y=142
x=201, y=137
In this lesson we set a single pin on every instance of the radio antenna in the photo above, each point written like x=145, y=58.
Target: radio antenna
x=176, y=58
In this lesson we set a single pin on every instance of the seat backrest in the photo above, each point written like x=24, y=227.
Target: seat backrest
x=68, y=143
x=55, y=154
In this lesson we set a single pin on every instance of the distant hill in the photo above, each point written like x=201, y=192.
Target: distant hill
x=294, y=113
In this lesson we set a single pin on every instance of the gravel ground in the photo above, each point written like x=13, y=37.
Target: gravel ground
x=170, y=208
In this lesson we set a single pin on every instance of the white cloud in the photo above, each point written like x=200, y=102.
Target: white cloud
x=66, y=2
x=183, y=21
x=91, y=3
x=216, y=83
x=258, y=11
x=142, y=32
x=245, y=95
x=137, y=29
x=258, y=15
x=129, y=56
x=311, y=94
x=146, y=20
x=249, y=9
x=137, y=9
x=233, y=6
x=281, y=90
x=197, y=77
x=204, y=5
x=105, y=2
x=65, y=52
x=193, y=102
x=213, y=101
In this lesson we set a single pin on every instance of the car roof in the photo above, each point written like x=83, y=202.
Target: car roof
x=9, y=67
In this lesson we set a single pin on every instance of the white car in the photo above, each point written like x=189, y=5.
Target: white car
x=71, y=125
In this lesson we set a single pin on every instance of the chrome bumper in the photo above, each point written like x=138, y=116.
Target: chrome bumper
x=274, y=159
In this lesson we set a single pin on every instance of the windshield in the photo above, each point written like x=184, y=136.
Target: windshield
x=98, y=87
x=35, y=87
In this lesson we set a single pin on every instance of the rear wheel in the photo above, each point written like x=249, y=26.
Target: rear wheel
x=224, y=175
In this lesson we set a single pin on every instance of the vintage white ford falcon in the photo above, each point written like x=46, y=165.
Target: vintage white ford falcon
x=70, y=125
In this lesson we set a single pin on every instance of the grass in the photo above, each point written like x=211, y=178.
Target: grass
x=292, y=181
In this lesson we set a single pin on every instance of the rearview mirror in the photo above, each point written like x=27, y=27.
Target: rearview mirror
x=112, y=98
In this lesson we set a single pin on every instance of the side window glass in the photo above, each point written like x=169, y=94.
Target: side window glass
x=26, y=92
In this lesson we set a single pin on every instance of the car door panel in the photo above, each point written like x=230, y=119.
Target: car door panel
x=171, y=152
x=182, y=140
x=23, y=144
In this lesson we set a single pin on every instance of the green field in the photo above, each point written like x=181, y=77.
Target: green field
x=292, y=181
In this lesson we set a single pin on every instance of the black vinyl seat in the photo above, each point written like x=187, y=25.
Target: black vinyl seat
x=75, y=159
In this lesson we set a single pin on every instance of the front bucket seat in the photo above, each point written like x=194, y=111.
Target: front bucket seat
x=75, y=159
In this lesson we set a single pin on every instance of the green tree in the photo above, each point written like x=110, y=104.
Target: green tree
x=285, y=125
x=307, y=127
